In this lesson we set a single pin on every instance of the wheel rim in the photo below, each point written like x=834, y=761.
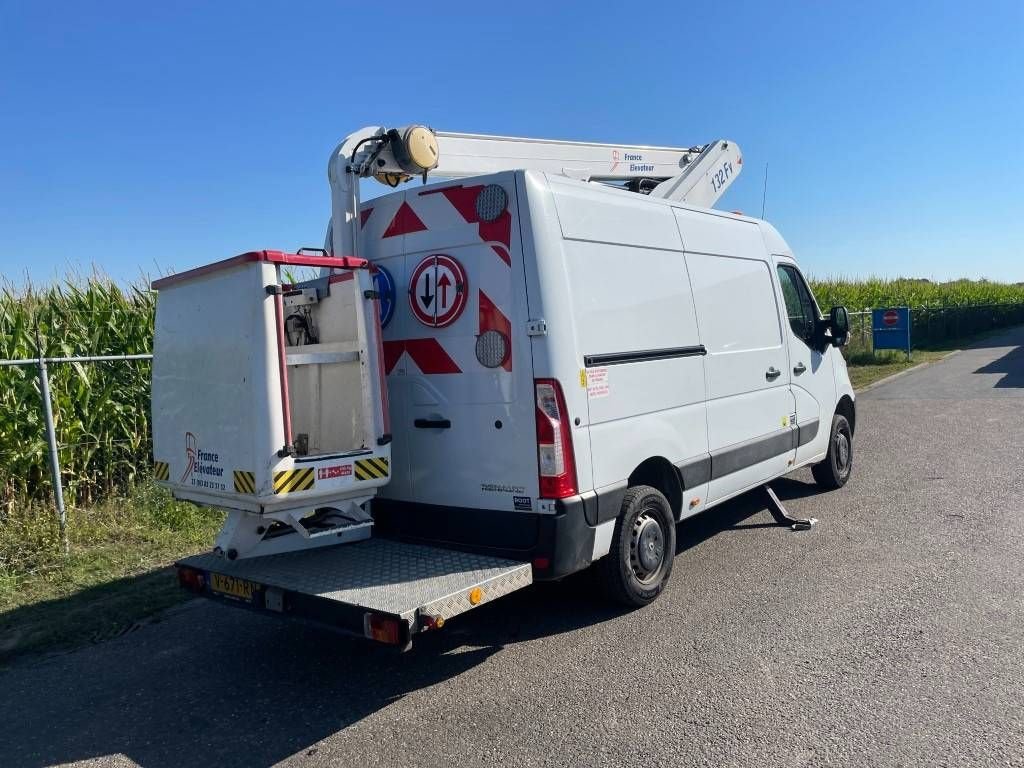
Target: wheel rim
x=842, y=452
x=647, y=547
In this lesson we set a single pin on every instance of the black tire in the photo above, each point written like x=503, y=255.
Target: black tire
x=835, y=470
x=637, y=567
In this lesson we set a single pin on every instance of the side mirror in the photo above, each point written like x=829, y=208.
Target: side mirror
x=839, y=324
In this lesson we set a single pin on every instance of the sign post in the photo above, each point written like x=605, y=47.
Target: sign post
x=890, y=329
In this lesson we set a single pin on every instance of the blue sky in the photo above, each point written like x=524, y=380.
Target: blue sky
x=142, y=137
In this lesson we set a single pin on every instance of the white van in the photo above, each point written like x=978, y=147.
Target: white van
x=493, y=381
x=659, y=359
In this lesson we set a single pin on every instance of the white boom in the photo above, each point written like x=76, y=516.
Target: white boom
x=697, y=175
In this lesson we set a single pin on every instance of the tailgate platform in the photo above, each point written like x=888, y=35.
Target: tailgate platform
x=354, y=587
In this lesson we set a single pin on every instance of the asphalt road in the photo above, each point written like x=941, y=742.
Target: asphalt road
x=890, y=634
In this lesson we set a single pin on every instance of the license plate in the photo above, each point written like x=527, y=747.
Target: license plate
x=240, y=589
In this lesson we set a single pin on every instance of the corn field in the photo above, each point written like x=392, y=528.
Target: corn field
x=918, y=294
x=101, y=410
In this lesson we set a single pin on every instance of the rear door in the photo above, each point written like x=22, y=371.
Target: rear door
x=456, y=352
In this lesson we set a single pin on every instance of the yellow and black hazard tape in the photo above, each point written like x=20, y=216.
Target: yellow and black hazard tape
x=292, y=480
x=371, y=469
x=245, y=482
x=161, y=470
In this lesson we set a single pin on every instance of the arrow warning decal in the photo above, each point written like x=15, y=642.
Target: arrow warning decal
x=438, y=290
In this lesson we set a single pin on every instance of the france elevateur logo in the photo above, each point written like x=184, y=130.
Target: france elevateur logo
x=201, y=463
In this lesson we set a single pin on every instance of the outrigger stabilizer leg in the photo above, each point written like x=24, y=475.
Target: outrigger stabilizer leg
x=782, y=516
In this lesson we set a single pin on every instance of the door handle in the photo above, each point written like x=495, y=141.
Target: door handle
x=432, y=423
x=772, y=373
x=800, y=368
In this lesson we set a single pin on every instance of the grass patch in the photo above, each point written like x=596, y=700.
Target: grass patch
x=115, y=575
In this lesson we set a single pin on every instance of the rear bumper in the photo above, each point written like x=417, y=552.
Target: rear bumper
x=556, y=544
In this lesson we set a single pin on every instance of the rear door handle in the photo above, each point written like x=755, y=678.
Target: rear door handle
x=772, y=373
x=800, y=368
x=432, y=424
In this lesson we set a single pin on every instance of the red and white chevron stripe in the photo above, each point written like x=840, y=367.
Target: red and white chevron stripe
x=444, y=220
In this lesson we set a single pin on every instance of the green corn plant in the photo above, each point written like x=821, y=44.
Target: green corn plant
x=913, y=292
x=101, y=410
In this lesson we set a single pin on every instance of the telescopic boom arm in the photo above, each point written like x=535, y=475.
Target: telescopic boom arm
x=697, y=175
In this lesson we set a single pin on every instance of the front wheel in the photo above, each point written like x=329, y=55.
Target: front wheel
x=835, y=470
x=637, y=567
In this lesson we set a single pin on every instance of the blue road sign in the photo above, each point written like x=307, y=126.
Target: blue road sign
x=890, y=328
x=385, y=285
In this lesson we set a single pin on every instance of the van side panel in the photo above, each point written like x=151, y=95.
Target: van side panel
x=548, y=291
x=638, y=356
x=751, y=423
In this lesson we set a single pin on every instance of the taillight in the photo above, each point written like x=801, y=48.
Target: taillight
x=383, y=629
x=555, y=458
x=191, y=579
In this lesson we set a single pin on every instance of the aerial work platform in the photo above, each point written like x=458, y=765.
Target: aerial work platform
x=271, y=392
x=378, y=588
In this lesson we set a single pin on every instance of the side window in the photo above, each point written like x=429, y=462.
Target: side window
x=800, y=306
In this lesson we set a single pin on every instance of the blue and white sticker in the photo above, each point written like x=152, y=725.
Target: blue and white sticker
x=385, y=285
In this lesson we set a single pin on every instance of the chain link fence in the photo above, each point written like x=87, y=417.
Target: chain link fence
x=930, y=326
x=935, y=326
x=49, y=423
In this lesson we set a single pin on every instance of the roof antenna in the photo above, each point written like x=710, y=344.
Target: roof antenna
x=764, y=190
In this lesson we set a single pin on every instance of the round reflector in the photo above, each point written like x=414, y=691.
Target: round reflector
x=491, y=348
x=491, y=202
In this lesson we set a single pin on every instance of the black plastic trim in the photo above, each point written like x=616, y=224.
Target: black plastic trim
x=728, y=460
x=497, y=532
x=808, y=431
x=695, y=471
x=326, y=456
x=570, y=539
x=643, y=355
x=432, y=423
x=609, y=503
x=564, y=538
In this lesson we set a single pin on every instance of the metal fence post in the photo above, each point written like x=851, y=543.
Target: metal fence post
x=51, y=439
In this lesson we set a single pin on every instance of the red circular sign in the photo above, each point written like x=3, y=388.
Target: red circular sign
x=891, y=317
x=437, y=290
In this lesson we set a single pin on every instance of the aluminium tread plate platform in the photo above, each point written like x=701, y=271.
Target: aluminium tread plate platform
x=381, y=575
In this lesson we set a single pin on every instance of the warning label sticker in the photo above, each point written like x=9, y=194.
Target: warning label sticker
x=597, y=383
x=338, y=470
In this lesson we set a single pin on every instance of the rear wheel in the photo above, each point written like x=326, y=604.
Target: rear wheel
x=639, y=562
x=835, y=470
